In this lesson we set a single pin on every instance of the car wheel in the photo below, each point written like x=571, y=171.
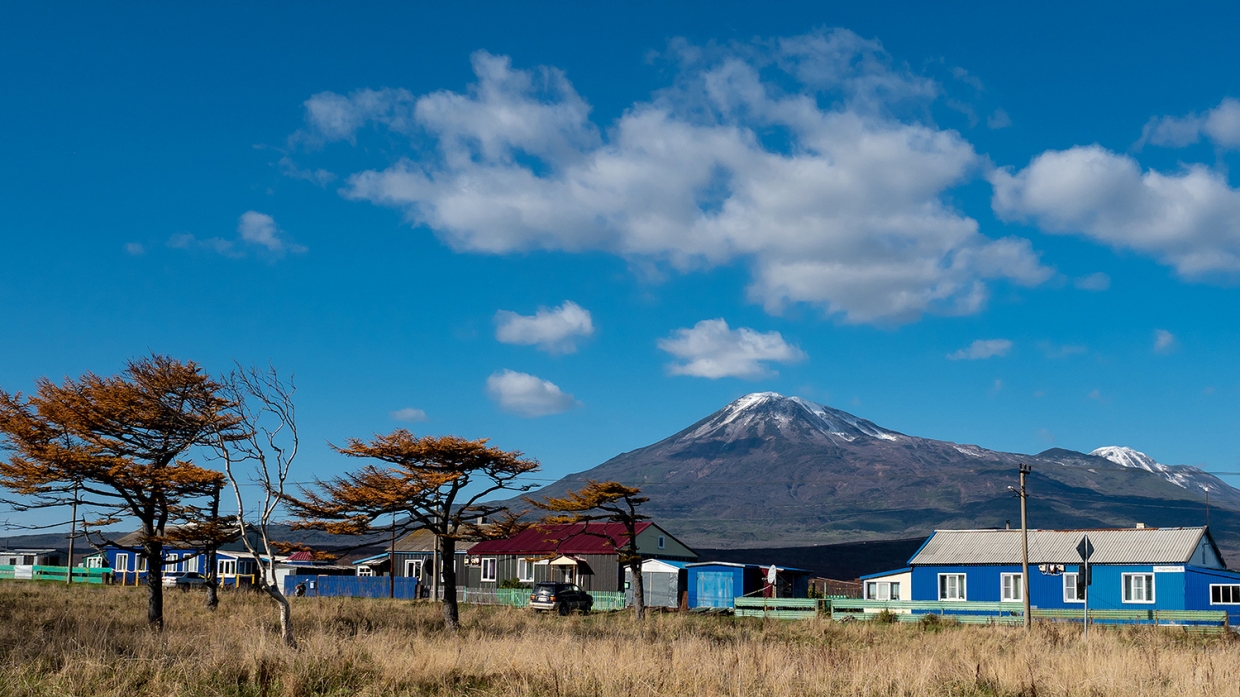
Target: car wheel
x=563, y=609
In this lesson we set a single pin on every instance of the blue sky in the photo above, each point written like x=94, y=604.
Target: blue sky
x=577, y=228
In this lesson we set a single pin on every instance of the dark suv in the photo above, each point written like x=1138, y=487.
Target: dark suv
x=561, y=597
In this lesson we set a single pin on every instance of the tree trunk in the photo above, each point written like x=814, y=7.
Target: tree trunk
x=639, y=589
x=154, y=550
x=447, y=556
x=213, y=586
x=286, y=616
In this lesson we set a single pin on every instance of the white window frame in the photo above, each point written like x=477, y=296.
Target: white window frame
x=880, y=590
x=94, y=562
x=962, y=588
x=122, y=561
x=894, y=590
x=365, y=570
x=191, y=564
x=1076, y=588
x=525, y=570
x=141, y=563
x=662, y=542
x=226, y=567
x=493, y=563
x=413, y=568
x=1235, y=593
x=1126, y=586
x=1017, y=586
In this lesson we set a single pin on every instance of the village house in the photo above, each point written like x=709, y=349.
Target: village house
x=584, y=554
x=1132, y=569
x=31, y=557
x=416, y=556
x=234, y=564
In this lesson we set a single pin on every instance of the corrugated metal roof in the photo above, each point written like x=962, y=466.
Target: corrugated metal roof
x=1111, y=546
x=561, y=539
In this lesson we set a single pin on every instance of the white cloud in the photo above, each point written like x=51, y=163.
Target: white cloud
x=255, y=232
x=527, y=395
x=1189, y=219
x=1062, y=351
x=134, y=248
x=711, y=350
x=1165, y=341
x=982, y=349
x=408, y=414
x=1220, y=124
x=847, y=213
x=552, y=330
x=1094, y=281
x=999, y=119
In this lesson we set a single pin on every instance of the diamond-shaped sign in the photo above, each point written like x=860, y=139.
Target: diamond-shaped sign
x=1085, y=548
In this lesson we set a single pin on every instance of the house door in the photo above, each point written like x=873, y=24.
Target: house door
x=714, y=589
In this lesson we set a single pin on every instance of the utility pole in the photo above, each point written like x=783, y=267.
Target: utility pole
x=1207, y=506
x=73, y=535
x=1024, y=544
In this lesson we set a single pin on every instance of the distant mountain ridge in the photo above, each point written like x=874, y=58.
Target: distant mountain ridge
x=770, y=470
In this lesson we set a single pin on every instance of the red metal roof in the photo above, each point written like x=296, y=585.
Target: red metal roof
x=301, y=556
x=581, y=538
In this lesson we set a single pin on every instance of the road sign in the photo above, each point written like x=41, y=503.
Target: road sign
x=1085, y=548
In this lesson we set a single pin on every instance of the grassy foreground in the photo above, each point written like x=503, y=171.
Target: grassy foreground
x=92, y=641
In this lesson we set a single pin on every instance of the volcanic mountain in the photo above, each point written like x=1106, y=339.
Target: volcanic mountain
x=775, y=471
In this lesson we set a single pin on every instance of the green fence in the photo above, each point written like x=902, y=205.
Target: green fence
x=520, y=597
x=777, y=608
x=81, y=574
x=1011, y=613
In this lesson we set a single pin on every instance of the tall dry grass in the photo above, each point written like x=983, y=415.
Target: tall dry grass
x=93, y=641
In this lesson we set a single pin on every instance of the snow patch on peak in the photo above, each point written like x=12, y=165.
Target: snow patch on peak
x=1127, y=457
x=763, y=412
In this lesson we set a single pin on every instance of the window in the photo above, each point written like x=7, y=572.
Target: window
x=227, y=567
x=1138, y=588
x=192, y=564
x=141, y=562
x=122, y=562
x=488, y=569
x=1073, y=589
x=525, y=571
x=662, y=542
x=952, y=587
x=1221, y=594
x=1012, y=588
x=882, y=590
x=413, y=567
x=364, y=570
x=94, y=562
x=245, y=567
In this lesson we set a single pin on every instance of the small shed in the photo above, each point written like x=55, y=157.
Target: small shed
x=663, y=583
x=717, y=584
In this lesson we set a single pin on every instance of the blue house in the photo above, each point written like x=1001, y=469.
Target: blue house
x=1132, y=568
x=717, y=584
x=234, y=565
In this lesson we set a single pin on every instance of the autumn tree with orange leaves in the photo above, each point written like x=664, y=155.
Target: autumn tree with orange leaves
x=608, y=502
x=440, y=483
x=123, y=441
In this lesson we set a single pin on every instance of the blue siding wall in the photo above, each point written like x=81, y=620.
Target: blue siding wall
x=354, y=586
x=1197, y=590
x=1173, y=590
x=715, y=586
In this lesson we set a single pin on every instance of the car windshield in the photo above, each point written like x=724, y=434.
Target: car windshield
x=545, y=588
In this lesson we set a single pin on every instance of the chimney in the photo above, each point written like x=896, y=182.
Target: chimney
x=1140, y=526
x=1009, y=525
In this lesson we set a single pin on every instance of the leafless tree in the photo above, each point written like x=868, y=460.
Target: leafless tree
x=264, y=406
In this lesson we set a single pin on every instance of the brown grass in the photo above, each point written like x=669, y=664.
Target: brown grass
x=92, y=641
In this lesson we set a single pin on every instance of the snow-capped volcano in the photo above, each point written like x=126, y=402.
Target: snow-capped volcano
x=1180, y=475
x=760, y=413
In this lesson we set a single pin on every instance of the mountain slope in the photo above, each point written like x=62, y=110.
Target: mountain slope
x=771, y=470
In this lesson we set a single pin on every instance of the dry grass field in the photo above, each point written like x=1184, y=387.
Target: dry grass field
x=92, y=641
